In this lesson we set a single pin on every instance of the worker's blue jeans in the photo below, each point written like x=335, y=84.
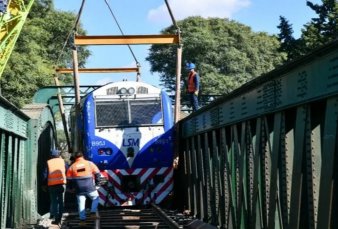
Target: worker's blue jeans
x=194, y=101
x=56, y=194
x=81, y=203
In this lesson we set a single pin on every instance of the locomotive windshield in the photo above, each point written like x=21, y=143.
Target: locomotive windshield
x=128, y=113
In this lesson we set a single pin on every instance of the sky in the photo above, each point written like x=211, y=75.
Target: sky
x=139, y=17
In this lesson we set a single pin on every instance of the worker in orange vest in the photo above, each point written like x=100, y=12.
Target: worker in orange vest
x=56, y=181
x=80, y=176
x=193, y=85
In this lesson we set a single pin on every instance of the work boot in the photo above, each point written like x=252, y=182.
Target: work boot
x=94, y=216
x=82, y=223
x=56, y=221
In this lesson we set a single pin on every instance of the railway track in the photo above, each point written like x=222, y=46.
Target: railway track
x=151, y=217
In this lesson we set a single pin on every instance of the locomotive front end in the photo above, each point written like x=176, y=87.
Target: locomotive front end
x=128, y=135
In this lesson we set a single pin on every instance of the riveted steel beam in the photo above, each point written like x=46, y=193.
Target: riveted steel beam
x=127, y=39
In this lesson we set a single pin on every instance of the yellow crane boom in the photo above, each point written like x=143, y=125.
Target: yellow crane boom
x=13, y=15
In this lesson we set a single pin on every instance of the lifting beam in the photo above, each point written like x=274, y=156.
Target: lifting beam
x=127, y=39
x=97, y=70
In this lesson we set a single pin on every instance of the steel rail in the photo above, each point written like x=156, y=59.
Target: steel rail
x=164, y=216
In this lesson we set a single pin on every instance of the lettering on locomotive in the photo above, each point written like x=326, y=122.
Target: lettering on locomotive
x=98, y=143
x=131, y=142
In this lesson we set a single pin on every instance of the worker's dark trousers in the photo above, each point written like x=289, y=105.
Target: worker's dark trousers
x=56, y=194
x=194, y=101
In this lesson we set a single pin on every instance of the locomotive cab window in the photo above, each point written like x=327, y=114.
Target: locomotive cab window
x=128, y=113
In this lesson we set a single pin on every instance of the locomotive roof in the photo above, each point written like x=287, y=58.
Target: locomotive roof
x=125, y=84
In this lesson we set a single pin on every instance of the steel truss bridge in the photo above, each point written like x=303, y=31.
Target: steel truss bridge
x=264, y=156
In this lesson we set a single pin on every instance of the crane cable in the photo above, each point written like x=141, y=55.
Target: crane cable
x=171, y=14
x=72, y=31
x=118, y=25
x=64, y=46
x=78, y=16
x=75, y=27
x=174, y=22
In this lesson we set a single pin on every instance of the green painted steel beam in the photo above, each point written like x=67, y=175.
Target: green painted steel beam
x=3, y=155
x=13, y=130
x=11, y=24
x=310, y=78
x=12, y=119
x=20, y=150
x=48, y=95
x=41, y=123
x=329, y=143
x=277, y=148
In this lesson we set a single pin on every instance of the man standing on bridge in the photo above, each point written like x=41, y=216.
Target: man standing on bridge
x=193, y=86
x=80, y=177
x=56, y=181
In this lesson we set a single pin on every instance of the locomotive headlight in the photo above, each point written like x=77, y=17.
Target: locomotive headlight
x=105, y=151
x=100, y=151
x=123, y=90
x=131, y=91
x=109, y=151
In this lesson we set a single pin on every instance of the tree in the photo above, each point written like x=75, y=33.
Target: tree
x=33, y=61
x=289, y=44
x=321, y=29
x=227, y=54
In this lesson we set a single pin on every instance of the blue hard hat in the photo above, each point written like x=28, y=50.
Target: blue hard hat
x=55, y=152
x=191, y=66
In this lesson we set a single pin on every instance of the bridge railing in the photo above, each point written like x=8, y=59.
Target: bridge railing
x=26, y=137
x=13, y=140
x=265, y=156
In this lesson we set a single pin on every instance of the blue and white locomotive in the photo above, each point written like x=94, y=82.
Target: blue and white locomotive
x=126, y=129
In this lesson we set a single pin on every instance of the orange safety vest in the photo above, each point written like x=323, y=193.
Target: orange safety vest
x=191, y=82
x=56, y=171
x=82, y=169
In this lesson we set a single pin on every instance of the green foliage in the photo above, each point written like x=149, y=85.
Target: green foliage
x=226, y=53
x=62, y=141
x=323, y=28
x=320, y=30
x=289, y=44
x=37, y=51
x=41, y=8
